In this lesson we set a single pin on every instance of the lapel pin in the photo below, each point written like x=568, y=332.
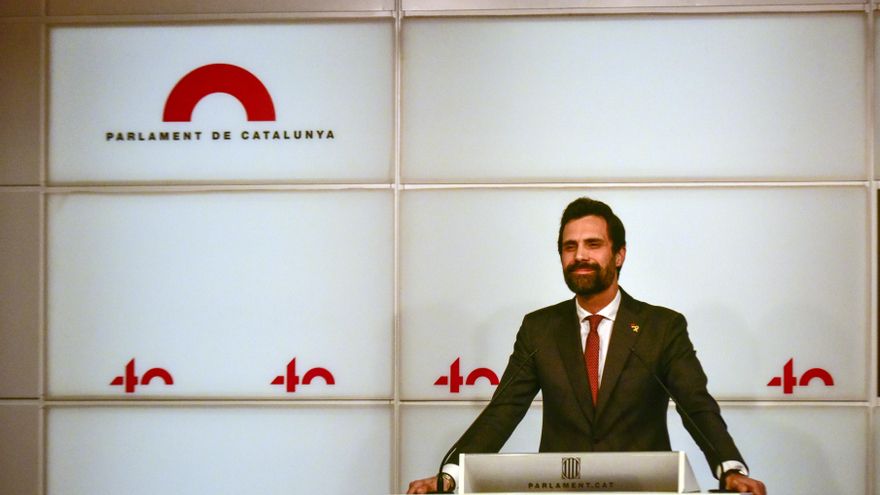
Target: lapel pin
x=634, y=327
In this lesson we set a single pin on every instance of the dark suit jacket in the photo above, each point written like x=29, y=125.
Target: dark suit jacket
x=630, y=414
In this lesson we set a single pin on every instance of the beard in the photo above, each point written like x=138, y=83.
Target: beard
x=591, y=283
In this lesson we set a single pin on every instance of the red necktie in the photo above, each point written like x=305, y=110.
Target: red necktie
x=591, y=355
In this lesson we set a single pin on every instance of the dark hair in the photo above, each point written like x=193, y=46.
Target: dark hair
x=584, y=207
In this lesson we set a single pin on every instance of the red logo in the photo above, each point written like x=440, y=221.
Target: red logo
x=130, y=379
x=788, y=381
x=219, y=78
x=291, y=379
x=455, y=380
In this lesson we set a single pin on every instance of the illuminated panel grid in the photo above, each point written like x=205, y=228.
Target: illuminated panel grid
x=806, y=447
x=800, y=148
x=186, y=450
x=428, y=431
x=316, y=104
x=634, y=98
x=791, y=448
x=219, y=292
x=755, y=271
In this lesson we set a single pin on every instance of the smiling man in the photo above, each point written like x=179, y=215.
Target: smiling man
x=595, y=357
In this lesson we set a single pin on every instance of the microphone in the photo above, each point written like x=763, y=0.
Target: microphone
x=686, y=415
x=501, y=389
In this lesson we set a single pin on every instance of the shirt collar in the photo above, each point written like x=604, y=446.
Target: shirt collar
x=609, y=311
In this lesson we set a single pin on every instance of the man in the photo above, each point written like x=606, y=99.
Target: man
x=593, y=359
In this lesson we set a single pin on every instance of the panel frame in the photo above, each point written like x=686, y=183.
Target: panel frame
x=17, y=390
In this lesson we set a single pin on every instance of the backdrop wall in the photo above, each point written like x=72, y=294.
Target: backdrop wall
x=286, y=248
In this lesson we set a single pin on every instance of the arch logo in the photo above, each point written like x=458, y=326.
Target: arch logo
x=219, y=78
x=233, y=80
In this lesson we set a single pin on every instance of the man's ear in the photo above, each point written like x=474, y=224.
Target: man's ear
x=619, y=257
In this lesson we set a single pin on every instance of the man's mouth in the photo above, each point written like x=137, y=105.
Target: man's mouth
x=582, y=269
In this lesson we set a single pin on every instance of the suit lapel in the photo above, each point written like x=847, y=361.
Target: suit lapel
x=623, y=337
x=568, y=340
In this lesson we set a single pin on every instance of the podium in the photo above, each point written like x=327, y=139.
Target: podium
x=606, y=472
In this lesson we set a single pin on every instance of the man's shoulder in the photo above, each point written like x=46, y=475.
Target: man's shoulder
x=629, y=303
x=554, y=311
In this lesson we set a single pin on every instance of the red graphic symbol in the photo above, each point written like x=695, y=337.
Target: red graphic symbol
x=292, y=379
x=130, y=379
x=788, y=381
x=219, y=78
x=455, y=380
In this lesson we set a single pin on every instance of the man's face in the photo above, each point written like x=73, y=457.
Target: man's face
x=588, y=265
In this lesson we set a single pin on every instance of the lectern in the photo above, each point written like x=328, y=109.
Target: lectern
x=657, y=472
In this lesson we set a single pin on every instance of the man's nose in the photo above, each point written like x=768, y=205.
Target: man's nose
x=582, y=253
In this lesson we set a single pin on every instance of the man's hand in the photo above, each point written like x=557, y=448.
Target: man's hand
x=739, y=483
x=427, y=485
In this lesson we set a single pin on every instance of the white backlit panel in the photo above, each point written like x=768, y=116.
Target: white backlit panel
x=792, y=449
x=186, y=450
x=260, y=102
x=221, y=291
x=772, y=96
x=427, y=432
x=764, y=276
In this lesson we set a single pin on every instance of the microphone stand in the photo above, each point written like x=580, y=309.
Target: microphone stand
x=501, y=389
x=687, y=416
